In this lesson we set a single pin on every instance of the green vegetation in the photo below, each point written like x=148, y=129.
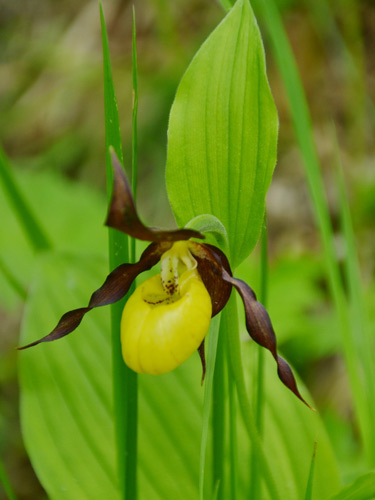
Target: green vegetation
x=190, y=110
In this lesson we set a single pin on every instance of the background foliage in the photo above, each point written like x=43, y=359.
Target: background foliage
x=51, y=125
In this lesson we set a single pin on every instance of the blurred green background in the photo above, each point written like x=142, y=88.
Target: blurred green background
x=52, y=129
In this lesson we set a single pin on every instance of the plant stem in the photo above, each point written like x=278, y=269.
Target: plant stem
x=233, y=448
x=255, y=473
x=207, y=400
x=218, y=417
x=229, y=315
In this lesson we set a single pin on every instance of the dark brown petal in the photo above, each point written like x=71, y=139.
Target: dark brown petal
x=203, y=360
x=211, y=261
x=122, y=214
x=259, y=326
x=114, y=288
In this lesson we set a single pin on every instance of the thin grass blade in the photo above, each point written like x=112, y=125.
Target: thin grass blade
x=13, y=281
x=268, y=12
x=4, y=480
x=124, y=379
x=310, y=479
x=134, y=127
x=31, y=226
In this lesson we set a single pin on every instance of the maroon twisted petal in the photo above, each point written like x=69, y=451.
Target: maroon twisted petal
x=123, y=216
x=259, y=326
x=114, y=288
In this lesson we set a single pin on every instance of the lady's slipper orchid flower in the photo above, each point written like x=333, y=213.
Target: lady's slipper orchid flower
x=167, y=317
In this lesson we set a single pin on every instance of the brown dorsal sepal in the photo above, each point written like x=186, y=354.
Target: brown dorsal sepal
x=123, y=216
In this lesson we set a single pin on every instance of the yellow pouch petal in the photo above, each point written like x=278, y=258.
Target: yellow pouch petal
x=159, y=331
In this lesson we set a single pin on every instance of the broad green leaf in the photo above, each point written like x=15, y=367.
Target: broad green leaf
x=363, y=488
x=67, y=408
x=69, y=211
x=290, y=431
x=222, y=133
x=67, y=403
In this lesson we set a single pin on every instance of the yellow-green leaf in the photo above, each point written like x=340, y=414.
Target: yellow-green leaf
x=223, y=133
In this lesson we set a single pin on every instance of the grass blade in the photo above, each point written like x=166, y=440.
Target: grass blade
x=13, y=281
x=32, y=228
x=268, y=12
x=310, y=479
x=4, y=480
x=135, y=110
x=358, y=314
x=134, y=128
x=124, y=379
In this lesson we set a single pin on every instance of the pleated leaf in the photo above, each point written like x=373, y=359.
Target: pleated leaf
x=67, y=408
x=363, y=488
x=46, y=192
x=67, y=404
x=223, y=132
x=290, y=431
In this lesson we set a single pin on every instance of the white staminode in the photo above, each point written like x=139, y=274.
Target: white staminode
x=174, y=262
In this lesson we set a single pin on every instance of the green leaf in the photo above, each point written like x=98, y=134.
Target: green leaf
x=67, y=402
x=299, y=108
x=67, y=408
x=363, y=488
x=214, y=230
x=74, y=229
x=223, y=132
x=290, y=431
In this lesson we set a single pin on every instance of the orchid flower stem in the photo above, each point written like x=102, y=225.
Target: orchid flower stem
x=233, y=448
x=207, y=401
x=259, y=391
x=219, y=417
x=230, y=317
